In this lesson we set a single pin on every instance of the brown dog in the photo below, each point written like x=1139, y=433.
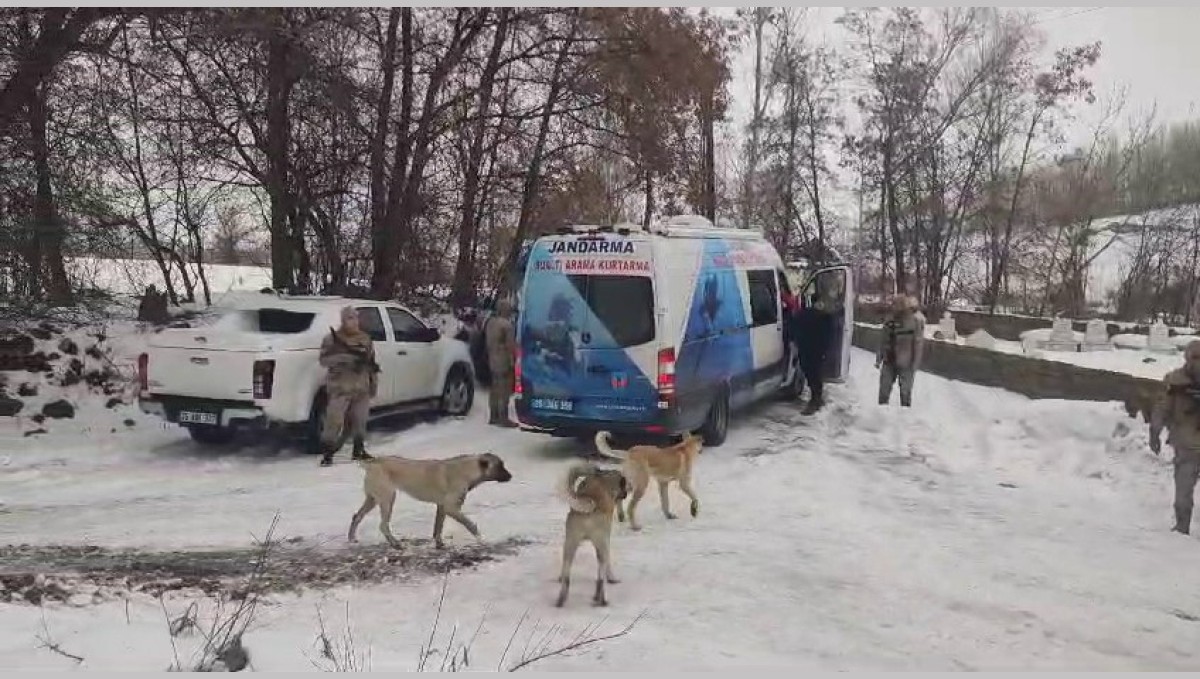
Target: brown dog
x=593, y=494
x=444, y=483
x=640, y=463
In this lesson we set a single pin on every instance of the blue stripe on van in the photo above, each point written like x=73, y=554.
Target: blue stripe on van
x=716, y=343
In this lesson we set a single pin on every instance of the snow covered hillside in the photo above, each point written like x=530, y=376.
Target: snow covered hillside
x=131, y=276
x=980, y=530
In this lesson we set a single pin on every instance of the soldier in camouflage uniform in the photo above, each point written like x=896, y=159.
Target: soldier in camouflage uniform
x=900, y=349
x=349, y=356
x=500, y=337
x=1178, y=409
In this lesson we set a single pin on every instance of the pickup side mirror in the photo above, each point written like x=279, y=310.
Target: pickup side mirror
x=421, y=335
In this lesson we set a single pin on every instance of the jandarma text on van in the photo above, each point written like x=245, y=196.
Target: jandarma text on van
x=572, y=265
x=591, y=247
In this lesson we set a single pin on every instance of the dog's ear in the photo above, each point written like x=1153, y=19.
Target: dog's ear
x=484, y=463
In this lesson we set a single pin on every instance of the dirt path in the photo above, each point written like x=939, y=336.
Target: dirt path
x=81, y=575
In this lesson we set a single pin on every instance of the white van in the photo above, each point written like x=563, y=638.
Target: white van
x=658, y=331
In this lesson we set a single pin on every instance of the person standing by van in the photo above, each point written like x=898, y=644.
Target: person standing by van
x=348, y=354
x=813, y=327
x=500, y=337
x=900, y=349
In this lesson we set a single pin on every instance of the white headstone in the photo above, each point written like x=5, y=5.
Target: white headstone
x=1096, y=336
x=1160, y=338
x=980, y=339
x=948, y=327
x=1062, y=336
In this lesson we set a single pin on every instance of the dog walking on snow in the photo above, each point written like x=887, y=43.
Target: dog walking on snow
x=640, y=463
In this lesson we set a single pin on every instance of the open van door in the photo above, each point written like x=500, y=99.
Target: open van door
x=834, y=287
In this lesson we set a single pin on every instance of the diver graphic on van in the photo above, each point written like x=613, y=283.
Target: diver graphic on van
x=555, y=342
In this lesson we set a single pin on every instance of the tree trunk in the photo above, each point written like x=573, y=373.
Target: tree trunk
x=648, y=215
x=279, y=85
x=382, y=247
x=48, y=228
x=707, y=126
x=893, y=222
x=531, y=187
x=385, y=248
x=462, y=289
x=1005, y=246
x=59, y=31
x=760, y=17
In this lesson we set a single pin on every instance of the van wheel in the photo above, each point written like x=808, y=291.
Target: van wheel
x=458, y=394
x=716, y=425
x=315, y=425
x=211, y=436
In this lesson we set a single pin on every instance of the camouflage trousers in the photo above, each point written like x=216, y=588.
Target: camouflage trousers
x=1187, y=471
x=345, y=416
x=498, y=396
x=889, y=374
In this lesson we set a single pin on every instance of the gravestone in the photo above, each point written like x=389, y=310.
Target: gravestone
x=1095, y=338
x=1159, y=339
x=948, y=327
x=1062, y=336
x=980, y=339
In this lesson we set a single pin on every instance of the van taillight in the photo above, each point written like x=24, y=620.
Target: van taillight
x=143, y=373
x=264, y=378
x=517, y=373
x=666, y=376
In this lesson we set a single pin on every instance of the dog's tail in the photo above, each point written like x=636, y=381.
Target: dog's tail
x=579, y=504
x=603, y=447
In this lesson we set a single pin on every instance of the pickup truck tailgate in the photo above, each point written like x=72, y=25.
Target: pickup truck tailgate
x=204, y=364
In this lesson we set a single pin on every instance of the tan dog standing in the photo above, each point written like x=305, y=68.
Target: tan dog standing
x=593, y=494
x=641, y=463
x=444, y=483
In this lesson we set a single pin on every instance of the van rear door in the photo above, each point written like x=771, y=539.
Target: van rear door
x=588, y=329
x=619, y=352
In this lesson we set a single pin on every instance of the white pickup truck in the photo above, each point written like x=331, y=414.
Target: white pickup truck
x=257, y=367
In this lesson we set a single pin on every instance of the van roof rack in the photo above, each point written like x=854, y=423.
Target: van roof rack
x=622, y=228
x=678, y=226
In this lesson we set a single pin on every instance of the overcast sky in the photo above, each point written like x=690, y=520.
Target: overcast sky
x=1153, y=51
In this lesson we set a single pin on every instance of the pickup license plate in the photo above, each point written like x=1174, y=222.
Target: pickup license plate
x=557, y=405
x=186, y=417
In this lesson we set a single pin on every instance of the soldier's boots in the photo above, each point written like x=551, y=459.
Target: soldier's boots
x=813, y=406
x=360, y=451
x=327, y=455
x=1183, y=520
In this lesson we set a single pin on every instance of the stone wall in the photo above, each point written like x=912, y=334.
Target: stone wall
x=1000, y=326
x=1032, y=377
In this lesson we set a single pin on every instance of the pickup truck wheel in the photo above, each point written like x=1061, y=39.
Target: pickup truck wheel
x=716, y=425
x=458, y=394
x=212, y=436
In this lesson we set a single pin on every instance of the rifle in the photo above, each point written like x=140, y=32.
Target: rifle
x=359, y=354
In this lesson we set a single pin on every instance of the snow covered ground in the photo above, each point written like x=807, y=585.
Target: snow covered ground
x=980, y=530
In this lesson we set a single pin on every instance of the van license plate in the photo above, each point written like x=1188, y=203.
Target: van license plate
x=186, y=417
x=558, y=405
